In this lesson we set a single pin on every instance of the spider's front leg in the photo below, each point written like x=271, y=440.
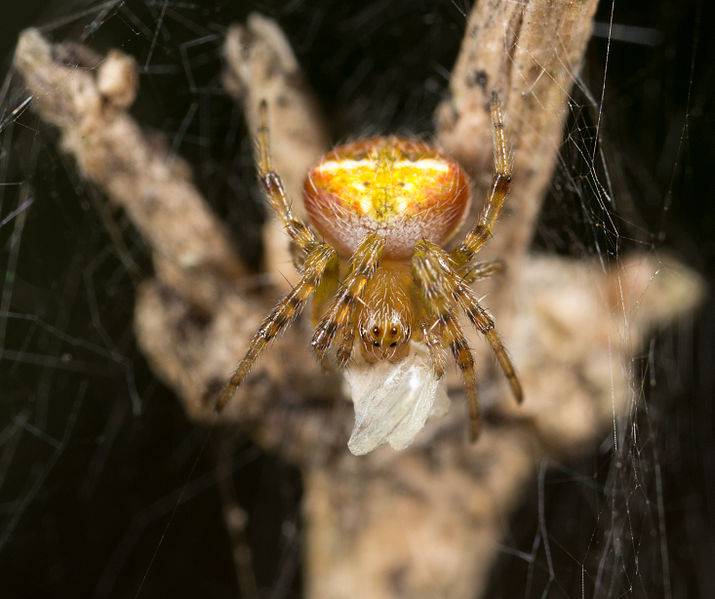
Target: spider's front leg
x=282, y=315
x=438, y=301
x=363, y=265
x=433, y=339
x=298, y=231
x=483, y=270
x=484, y=323
x=463, y=255
x=480, y=318
x=318, y=256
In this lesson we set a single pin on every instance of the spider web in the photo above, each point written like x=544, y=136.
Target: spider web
x=106, y=489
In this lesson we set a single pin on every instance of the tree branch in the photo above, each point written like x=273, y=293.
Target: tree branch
x=428, y=521
x=86, y=97
x=530, y=53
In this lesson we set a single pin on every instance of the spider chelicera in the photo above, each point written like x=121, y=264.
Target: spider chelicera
x=383, y=208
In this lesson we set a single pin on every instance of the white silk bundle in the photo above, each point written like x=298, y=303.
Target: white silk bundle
x=393, y=401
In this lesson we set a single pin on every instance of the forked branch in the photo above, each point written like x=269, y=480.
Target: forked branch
x=368, y=520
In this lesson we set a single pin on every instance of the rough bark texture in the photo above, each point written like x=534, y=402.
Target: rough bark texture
x=529, y=52
x=194, y=255
x=426, y=522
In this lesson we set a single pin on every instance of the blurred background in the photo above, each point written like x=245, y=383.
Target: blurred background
x=96, y=455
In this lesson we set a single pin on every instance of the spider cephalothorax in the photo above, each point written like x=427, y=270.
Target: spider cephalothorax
x=383, y=208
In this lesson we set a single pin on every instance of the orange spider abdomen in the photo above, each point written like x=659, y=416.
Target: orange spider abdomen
x=402, y=189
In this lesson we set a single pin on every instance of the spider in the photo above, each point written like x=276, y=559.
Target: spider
x=383, y=208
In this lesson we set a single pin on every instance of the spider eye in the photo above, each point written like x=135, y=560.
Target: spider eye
x=393, y=330
x=376, y=331
x=393, y=344
x=376, y=344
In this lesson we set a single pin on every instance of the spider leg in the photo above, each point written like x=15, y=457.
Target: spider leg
x=432, y=341
x=431, y=330
x=438, y=301
x=501, y=183
x=347, y=340
x=363, y=265
x=484, y=323
x=483, y=270
x=281, y=316
x=298, y=231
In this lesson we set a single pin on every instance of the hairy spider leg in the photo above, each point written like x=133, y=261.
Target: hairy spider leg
x=282, y=315
x=480, y=318
x=347, y=340
x=432, y=341
x=483, y=270
x=438, y=298
x=501, y=183
x=299, y=232
x=363, y=265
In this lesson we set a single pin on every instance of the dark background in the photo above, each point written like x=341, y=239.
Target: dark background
x=96, y=456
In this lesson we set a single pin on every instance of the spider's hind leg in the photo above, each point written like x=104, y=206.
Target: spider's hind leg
x=282, y=315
